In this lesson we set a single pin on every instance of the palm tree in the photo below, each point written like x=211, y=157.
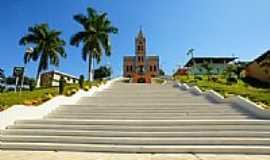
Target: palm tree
x=95, y=36
x=48, y=47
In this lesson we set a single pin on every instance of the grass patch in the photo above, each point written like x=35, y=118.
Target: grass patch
x=258, y=95
x=40, y=95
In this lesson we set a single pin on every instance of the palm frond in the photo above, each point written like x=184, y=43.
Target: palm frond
x=77, y=38
x=48, y=46
x=91, y=12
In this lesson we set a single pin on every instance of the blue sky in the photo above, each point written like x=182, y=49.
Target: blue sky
x=211, y=27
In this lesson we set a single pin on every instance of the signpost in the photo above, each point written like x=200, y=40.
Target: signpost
x=18, y=73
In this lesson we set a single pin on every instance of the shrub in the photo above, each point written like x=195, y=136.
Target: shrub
x=27, y=103
x=68, y=93
x=81, y=80
x=198, y=78
x=86, y=88
x=214, y=79
x=32, y=84
x=47, y=97
x=231, y=80
x=126, y=80
x=256, y=83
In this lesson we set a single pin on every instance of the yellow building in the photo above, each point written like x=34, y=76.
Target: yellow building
x=257, y=71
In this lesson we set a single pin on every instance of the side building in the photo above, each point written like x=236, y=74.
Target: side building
x=141, y=68
x=52, y=78
x=218, y=64
x=257, y=70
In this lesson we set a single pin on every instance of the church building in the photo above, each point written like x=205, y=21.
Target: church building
x=141, y=68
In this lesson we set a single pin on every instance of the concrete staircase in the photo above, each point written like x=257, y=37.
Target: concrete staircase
x=142, y=118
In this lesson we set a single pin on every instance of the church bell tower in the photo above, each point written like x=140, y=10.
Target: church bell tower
x=140, y=44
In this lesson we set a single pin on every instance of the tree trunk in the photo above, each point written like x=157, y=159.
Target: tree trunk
x=38, y=75
x=90, y=69
x=38, y=79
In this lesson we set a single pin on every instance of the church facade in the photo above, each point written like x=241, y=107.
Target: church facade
x=141, y=68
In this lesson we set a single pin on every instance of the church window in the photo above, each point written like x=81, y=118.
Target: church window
x=151, y=68
x=127, y=68
x=155, y=68
x=141, y=69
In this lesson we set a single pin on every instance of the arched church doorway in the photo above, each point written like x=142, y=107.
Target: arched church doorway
x=141, y=80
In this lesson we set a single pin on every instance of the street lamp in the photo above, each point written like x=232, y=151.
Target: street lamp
x=27, y=57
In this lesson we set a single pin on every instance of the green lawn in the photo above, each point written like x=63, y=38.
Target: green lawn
x=38, y=96
x=258, y=95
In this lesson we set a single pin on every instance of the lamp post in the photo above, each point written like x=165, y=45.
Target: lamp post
x=27, y=57
x=191, y=53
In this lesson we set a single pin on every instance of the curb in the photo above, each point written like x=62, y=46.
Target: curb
x=238, y=101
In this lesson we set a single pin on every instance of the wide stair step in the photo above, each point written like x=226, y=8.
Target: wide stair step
x=250, y=149
x=142, y=118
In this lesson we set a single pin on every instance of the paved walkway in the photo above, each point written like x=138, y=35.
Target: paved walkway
x=48, y=155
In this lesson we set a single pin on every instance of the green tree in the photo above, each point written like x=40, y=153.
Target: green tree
x=208, y=67
x=95, y=36
x=12, y=80
x=47, y=45
x=230, y=70
x=234, y=70
x=102, y=72
x=161, y=72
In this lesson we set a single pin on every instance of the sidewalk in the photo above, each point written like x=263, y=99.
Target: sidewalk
x=47, y=155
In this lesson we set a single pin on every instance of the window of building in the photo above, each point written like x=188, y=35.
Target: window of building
x=127, y=68
x=141, y=69
x=151, y=68
x=131, y=68
x=155, y=68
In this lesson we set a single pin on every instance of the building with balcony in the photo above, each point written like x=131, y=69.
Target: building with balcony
x=218, y=64
x=52, y=78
